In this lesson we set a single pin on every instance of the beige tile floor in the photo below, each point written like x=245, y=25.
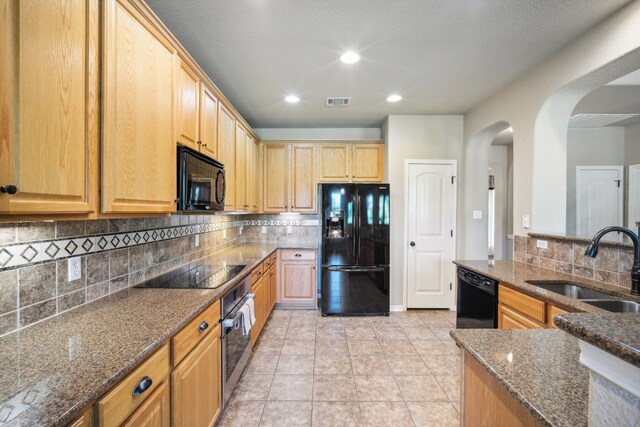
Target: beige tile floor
x=401, y=370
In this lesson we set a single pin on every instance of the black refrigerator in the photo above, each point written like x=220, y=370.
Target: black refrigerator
x=355, y=249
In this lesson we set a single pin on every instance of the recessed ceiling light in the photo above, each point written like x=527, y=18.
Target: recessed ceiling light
x=394, y=98
x=350, y=58
x=292, y=99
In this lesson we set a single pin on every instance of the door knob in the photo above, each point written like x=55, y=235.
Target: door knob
x=412, y=243
x=11, y=189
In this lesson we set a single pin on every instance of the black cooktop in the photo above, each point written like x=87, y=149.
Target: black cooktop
x=194, y=276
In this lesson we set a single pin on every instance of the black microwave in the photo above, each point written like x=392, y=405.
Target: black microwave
x=201, y=182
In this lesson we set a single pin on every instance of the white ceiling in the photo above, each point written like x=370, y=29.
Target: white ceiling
x=442, y=56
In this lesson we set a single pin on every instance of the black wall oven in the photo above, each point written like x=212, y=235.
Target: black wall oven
x=201, y=182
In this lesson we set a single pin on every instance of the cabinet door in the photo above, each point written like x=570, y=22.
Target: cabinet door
x=258, y=303
x=303, y=178
x=553, y=311
x=275, y=178
x=154, y=412
x=333, y=163
x=208, y=121
x=196, y=385
x=257, y=177
x=274, y=286
x=48, y=105
x=188, y=106
x=241, y=163
x=366, y=163
x=227, y=154
x=250, y=172
x=138, y=145
x=298, y=282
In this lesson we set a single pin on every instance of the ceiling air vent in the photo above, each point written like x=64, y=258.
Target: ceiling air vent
x=338, y=101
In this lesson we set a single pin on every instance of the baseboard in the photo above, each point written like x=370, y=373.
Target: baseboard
x=397, y=308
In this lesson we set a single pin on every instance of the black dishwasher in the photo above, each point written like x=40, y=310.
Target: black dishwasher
x=477, y=301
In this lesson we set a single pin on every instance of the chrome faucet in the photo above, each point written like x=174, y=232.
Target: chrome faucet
x=592, y=251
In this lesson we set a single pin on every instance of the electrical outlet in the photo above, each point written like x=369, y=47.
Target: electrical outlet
x=289, y=229
x=525, y=221
x=74, y=267
x=264, y=229
x=477, y=214
x=197, y=242
x=542, y=244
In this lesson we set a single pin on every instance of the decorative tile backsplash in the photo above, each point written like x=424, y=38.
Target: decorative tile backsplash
x=612, y=265
x=115, y=254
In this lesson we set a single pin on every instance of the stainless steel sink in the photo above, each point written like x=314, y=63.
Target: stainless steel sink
x=571, y=290
x=617, y=306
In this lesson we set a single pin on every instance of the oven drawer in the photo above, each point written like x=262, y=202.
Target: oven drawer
x=297, y=255
x=185, y=340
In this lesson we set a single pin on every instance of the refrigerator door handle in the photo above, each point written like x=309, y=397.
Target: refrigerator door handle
x=356, y=269
x=357, y=242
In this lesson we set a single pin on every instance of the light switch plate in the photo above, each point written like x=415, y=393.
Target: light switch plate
x=197, y=242
x=264, y=229
x=74, y=268
x=241, y=229
x=224, y=234
x=477, y=214
x=289, y=229
x=525, y=221
x=542, y=244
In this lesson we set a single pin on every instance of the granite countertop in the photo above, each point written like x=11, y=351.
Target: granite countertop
x=539, y=368
x=50, y=371
x=514, y=274
x=616, y=333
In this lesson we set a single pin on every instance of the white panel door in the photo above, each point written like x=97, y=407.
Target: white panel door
x=430, y=228
x=599, y=198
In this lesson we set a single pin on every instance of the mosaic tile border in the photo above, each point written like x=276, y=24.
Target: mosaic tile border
x=30, y=253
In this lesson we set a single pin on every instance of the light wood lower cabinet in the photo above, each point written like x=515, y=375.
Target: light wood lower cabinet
x=154, y=412
x=517, y=310
x=486, y=402
x=138, y=144
x=261, y=292
x=49, y=122
x=196, y=398
x=297, y=278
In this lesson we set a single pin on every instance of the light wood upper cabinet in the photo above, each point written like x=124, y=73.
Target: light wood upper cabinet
x=349, y=162
x=48, y=106
x=333, y=163
x=276, y=178
x=367, y=163
x=208, y=121
x=138, y=146
x=188, y=106
x=257, y=177
x=227, y=153
x=241, y=164
x=251, y=174
x=196, y=398
x=302, y=178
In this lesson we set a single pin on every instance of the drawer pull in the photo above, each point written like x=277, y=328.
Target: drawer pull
x=142, y=386
x=298, y=255
x=259, y=273
x=203, y=326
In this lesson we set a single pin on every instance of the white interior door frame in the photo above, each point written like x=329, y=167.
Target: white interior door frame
x=633, y=213
x=405, y=273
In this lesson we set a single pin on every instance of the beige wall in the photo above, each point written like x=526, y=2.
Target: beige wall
x=537, y=106
x=414, y=137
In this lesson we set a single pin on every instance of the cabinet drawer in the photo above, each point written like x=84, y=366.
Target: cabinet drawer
x=268, y=263
x=511, y=319
x=185, y=340
x=120, y=402
x=525, y=304
x=257, y=273
x=297, y=255
x=272, y=259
